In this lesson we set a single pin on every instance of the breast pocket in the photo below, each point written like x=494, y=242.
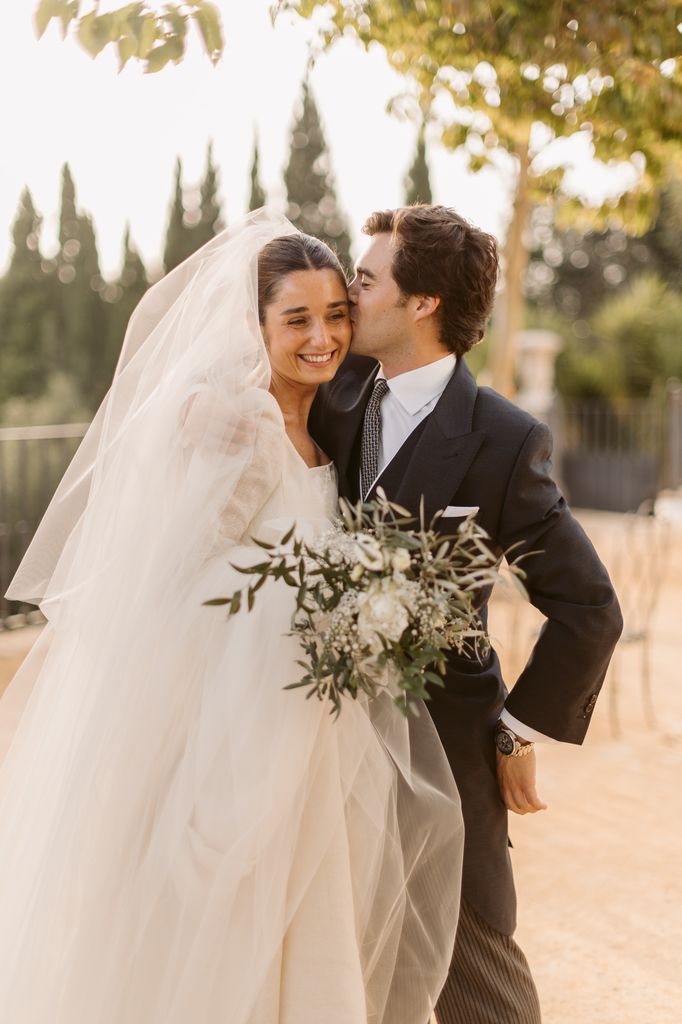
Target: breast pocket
x=459, y=511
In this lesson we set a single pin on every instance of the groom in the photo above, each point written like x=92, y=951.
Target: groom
x=405, y=413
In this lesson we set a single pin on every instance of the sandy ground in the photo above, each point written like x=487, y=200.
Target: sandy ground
x=599, y=874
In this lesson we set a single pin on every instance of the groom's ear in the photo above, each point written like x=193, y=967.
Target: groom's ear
x=426, y=305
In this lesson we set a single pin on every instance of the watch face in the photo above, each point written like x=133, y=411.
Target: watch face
x=504, y=742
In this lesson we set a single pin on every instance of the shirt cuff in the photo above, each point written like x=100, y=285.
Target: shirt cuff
x=524, y=732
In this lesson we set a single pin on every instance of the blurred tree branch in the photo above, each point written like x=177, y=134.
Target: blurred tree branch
x=136, y=30
x=514, y=77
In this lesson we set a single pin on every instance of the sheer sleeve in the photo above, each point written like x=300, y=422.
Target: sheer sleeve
x=248, y=437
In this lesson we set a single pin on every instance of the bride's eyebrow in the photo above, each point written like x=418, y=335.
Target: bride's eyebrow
x=304, y=309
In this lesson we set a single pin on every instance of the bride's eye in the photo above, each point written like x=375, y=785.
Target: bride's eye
x=296, y=323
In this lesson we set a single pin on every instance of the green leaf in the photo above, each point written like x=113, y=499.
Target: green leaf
x=288, y=535
x=127, y=48
x=95, y=31
x=171, y=50
x=208, y=20
x=215, y=602
x=65, y=10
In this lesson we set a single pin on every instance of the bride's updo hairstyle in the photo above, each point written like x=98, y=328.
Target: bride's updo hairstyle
x=287, y=254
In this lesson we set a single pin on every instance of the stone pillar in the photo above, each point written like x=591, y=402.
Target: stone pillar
x=537, y=351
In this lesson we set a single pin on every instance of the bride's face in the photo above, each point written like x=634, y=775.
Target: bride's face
x=307, y=327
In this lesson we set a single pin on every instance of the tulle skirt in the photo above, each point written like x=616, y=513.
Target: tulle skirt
x=183, y=840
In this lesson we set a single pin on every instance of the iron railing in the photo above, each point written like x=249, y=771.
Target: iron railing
x=32, y=462
x=618, y=455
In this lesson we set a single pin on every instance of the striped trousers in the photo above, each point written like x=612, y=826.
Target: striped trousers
x=489, y=980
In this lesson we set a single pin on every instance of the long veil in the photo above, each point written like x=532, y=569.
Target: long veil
x=180, y=839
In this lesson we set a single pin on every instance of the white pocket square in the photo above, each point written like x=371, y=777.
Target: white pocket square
x=459, y=510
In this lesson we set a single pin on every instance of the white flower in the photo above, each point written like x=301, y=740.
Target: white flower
x=400, y=559
x=368, y=552
x=381, y=611
x=356, y=572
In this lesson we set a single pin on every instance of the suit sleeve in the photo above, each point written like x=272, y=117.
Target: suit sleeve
x=558, y=688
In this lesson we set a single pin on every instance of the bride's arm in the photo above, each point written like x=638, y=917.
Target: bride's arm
x=241, y=441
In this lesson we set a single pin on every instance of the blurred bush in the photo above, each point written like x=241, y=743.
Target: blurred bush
x=634, y=344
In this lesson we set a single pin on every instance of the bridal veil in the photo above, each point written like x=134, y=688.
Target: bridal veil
x=181, y=839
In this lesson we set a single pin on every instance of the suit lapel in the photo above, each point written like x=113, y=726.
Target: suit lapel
x=434, y=460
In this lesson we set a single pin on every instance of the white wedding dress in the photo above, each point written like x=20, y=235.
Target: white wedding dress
x=181, y=839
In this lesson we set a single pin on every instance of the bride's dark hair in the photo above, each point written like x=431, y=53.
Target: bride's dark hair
x=289, y=253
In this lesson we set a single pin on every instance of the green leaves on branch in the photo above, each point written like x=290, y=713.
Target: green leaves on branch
x=491, y=69
x=138, y=32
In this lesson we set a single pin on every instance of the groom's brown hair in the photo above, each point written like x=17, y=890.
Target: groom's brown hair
x=437, y=252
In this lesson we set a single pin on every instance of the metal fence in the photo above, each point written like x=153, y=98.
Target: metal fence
x=607, y=456
x=619, y=455
x=32, y=462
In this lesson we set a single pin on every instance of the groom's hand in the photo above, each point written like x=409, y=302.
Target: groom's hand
x=516, y=778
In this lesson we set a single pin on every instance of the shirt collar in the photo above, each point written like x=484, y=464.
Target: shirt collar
x=417, y=388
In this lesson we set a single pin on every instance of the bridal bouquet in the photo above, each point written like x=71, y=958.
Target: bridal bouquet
x=378, y=604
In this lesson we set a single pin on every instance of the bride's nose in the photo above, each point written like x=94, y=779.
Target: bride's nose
x=320, y=334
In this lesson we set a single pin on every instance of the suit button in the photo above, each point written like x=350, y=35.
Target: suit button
x=590, y=705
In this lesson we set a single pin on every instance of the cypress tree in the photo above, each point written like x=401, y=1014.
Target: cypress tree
x=83, y=322
x=179, y=234
x=311, y=191
x=25, y=301
x=417, y=180
x=209, y=222
x=123, y=296
x=258, y=197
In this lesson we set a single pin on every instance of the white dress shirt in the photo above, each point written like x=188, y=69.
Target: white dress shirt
x=410, y=398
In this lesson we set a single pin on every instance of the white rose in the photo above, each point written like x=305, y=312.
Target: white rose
x=400, y=559
x=368, y=553
x=381, y=611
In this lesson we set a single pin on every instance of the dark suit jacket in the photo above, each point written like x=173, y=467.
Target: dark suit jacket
x=477, y=448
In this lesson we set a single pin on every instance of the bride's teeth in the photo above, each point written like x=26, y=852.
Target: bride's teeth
x=317, y=359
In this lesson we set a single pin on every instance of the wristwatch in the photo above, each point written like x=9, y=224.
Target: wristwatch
x=508, y=743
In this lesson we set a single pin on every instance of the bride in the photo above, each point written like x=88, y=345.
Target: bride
x=181, y=839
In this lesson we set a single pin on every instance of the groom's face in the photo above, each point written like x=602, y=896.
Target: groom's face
x=379, y=311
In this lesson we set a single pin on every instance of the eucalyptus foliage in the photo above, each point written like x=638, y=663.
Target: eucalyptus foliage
x=379, y=603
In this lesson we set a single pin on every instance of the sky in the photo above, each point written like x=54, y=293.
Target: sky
x=121, y=133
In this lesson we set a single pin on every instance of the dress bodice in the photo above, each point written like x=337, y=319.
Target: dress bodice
x=304, y=495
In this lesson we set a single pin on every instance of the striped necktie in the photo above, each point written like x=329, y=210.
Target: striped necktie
x=371, y=437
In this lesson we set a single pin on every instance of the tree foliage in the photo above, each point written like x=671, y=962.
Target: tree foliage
x=190, y=228
x=136, y=30
x=210, y=217
x=25, y=309
x=418, y=179
x=633, y=347
x=257, y=197
x=123, y=296
x=517, y=77
x=575, y=271
x=311, y=191
x=61, y=324
x=82, y=341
